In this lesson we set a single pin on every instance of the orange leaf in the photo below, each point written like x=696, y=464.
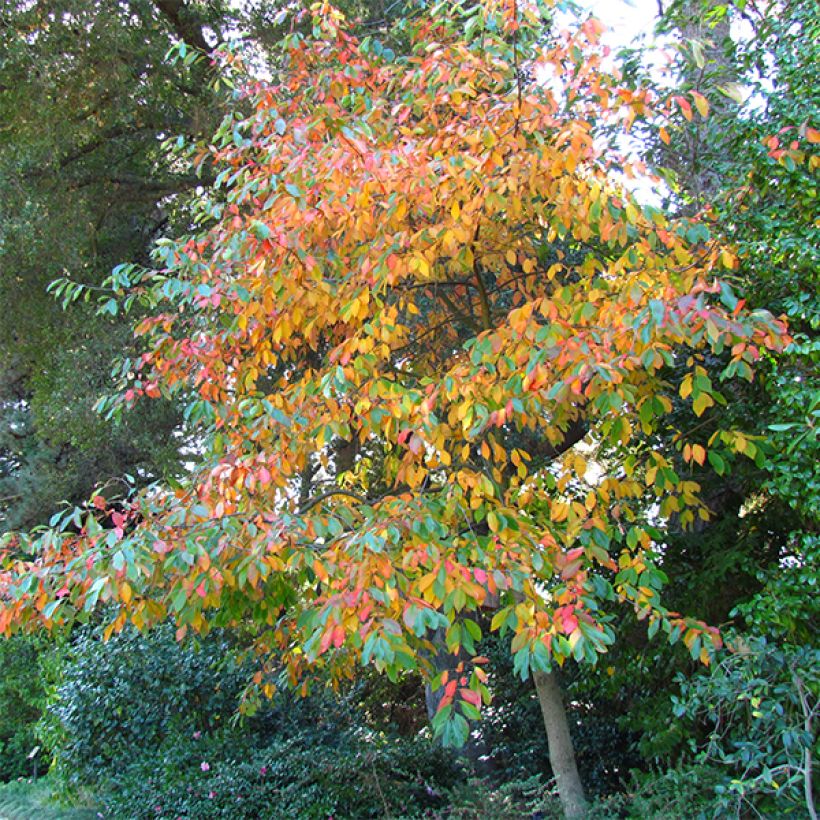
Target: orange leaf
x=685, y=107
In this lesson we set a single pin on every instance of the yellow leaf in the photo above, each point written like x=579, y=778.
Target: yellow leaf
x=511, y=257
x=579, y=465
x=455, y=210
x=559, y=511
x=125, y=592
x=492, y=521
x=701, y=103
x=499, y=618
x=700, y=404
x=728, y=259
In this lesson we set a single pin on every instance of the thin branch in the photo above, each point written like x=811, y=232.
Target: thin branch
x=808, y=764
x=312, y=502
x=515, y=66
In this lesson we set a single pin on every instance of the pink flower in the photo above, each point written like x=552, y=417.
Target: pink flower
x=211, y=795
x=197, y=735
x=263, y=771
x=205, y=766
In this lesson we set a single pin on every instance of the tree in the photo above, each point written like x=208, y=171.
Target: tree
x=419, y=300
x=86, y=99
x=754, y=159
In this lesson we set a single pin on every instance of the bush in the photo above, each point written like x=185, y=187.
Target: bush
x=526, y=798
x=147, y=725
x=309, y=774
x=675, y=794
x=135, y=692
x=22, y=700
x=757, y=707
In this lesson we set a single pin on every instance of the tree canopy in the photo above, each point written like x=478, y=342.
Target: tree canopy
x=422, y=296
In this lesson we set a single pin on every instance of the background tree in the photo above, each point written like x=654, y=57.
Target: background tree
x=752, y=563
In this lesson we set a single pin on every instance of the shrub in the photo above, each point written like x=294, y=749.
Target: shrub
x=682, y=792
x=309, y=774
x=134, y=692
x=149, y=726
x=22, y=699
x=757, y=706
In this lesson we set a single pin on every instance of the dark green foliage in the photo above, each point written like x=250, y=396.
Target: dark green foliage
x=755, y=711
x=22, y=699
x=136, y=692
x=524, y=798
x=333, y=768
x=142, y=721
x=679, y=793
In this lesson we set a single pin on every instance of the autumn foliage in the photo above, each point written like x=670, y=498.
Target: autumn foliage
x=427, y=333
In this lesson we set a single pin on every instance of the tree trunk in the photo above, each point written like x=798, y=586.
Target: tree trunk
x=475, y=749
x=698, y=153
x=562, y=755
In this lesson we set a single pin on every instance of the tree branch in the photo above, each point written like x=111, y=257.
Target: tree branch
x=312, y=502
x=184, y=23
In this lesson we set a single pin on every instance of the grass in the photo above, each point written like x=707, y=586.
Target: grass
x=27, y=800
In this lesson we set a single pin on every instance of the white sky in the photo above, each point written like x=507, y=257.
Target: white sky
x=625, y=19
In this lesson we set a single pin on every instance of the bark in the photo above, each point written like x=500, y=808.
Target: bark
x=184, y=22
x=698, y=158
x=475, y=749
x=562, y=753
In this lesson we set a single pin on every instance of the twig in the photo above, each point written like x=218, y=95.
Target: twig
x=379, y=788
x=515, y=65
x=807, y=759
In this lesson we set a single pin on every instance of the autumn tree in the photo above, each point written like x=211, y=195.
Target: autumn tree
x=421, y=299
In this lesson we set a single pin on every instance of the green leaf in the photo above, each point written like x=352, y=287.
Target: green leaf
x=718, y=464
